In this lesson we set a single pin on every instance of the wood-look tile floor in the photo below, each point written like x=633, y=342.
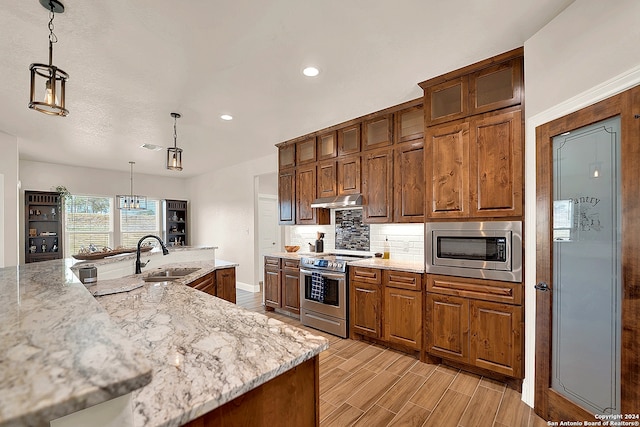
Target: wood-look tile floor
x=363, y=384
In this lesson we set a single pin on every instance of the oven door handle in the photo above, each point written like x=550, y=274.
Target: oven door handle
x=325, y=274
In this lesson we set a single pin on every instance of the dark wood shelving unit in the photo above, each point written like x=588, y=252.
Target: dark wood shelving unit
x=175, y=231
x=43, y=226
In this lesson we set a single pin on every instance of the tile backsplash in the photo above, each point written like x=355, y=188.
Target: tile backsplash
x=406, y=241
x=351, y=232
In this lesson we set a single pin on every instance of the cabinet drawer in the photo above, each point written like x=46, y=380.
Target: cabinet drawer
x=403, y=280
x=487, y=290
x=272, y=261
x=203, y=282
x=366, y=275
x=291, y=264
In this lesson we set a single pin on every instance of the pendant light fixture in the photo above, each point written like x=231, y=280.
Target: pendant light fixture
x=174, y=154
x=131, y=202
x=48, y=82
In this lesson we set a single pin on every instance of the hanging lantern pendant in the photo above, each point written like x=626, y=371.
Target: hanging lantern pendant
x=174, y=154
x=48, y=82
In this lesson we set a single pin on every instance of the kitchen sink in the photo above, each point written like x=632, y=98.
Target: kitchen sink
x=169, y=274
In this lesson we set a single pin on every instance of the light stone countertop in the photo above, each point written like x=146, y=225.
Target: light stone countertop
x=66, y=350
x=205, y=351
x=55, y=342
x=390, y=264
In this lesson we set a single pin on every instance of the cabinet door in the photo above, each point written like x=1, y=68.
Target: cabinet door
x=349, y=140
x=377, y=186
x=496, y=87
x=327, y=182
x=447, y=171
x=349, y=175
x=448, y=327
x=271, y=286
x=378, y=132
x=496, y=165
x=409, y=124
x=205, y=284
x=291, y=290
x=226, y=284
x=403, y=317
x=306, y=151
x=365, y=309
x=409, y=182
x=496, y=337
x=286, y=156
x=287, y=197
x=327, y=146
x=446, y=101
x=305, y=195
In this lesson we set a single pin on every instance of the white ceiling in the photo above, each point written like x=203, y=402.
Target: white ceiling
x=131, y=63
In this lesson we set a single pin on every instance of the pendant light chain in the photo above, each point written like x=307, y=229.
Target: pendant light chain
x=52, y=36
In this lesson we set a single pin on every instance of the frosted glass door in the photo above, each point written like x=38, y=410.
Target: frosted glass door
x=587, y=266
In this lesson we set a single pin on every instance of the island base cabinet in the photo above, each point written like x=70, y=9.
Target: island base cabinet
x=292, y=398
x=226, y=284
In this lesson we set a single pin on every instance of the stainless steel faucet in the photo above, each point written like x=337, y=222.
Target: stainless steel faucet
x=165, y=251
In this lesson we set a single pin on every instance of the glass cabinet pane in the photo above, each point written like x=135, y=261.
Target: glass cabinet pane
x=306, y=151
x=410, y=124
x=446, y=101
x=349, y=140
x=494, y=87
x=327, y=146
x=286, y=156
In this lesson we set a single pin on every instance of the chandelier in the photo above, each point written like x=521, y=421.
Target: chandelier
x=174, y=154
x=47, y=93
x=131, y=202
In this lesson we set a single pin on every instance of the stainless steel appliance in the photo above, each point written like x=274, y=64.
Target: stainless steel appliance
x=330, y=311
x=487, y=250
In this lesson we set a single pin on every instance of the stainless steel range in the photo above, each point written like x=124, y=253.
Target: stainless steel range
x=324, y=292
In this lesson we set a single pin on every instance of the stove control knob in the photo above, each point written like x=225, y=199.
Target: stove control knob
x=331, y=264
x=339, y=264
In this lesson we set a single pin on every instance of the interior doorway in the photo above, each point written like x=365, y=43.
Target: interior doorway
x=269, y=234
x=587, y=267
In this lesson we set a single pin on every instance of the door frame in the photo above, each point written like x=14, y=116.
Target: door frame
x=627, y=105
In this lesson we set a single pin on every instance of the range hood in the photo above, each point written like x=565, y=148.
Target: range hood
x=348, y=201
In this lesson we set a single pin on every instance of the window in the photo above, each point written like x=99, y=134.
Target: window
x=88, y=221
x=138, y=223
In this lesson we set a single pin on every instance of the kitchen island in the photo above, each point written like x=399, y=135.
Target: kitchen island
x=181, y=353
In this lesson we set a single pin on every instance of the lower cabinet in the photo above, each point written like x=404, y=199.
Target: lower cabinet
x=220, y=283
x=475, y=331
x=282, y=284
x=387, y=305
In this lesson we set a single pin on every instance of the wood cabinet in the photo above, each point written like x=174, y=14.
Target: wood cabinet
x=327, y=146
x=365, y=302
x=306, y=151
x=409, y=182
x=403, y=308
x=272, y=273
x=327, y=179
x=476, y=322
x=226, y=284
x=377, y=132
x=409, y=124
x=305, y=195
x=348, y=175
x=474, y=167
x=175, y=228
x=349, y=140
x=287, y=197
x=220, y=283
x=43, y=226
x=286, y=156
x=377, y=186
x=282, y=284
x=488, y=85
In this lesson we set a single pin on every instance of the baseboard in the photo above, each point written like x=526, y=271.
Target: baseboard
x=248, y=287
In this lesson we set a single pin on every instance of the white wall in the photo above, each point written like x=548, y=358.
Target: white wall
x=222, y=210
x=40, y=176
x=589, y=52
x=9, y=168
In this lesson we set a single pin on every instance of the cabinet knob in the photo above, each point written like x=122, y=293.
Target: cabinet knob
x=542, y=286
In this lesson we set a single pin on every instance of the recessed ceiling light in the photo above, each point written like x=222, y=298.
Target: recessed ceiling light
x=311, y=71
x=151, y=147
x=226, y=117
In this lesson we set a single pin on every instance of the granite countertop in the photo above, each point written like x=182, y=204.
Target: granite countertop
x=180, y=351
x=390, y=264
x=55, y=341
x=205, y=351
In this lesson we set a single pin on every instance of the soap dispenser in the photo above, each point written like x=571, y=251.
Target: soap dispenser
x=385, y=252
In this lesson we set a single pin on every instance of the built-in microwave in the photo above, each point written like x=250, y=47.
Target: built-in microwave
x=486, y=250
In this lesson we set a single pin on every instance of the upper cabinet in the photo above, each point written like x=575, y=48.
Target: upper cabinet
x=305, y=195
x=286, y=156
x=377, y=189
x=349, y=140
x=378, y=132
x=327, y=146
x=488, y=85
x=306, y=151
x=409, y=124
x=287, y=197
